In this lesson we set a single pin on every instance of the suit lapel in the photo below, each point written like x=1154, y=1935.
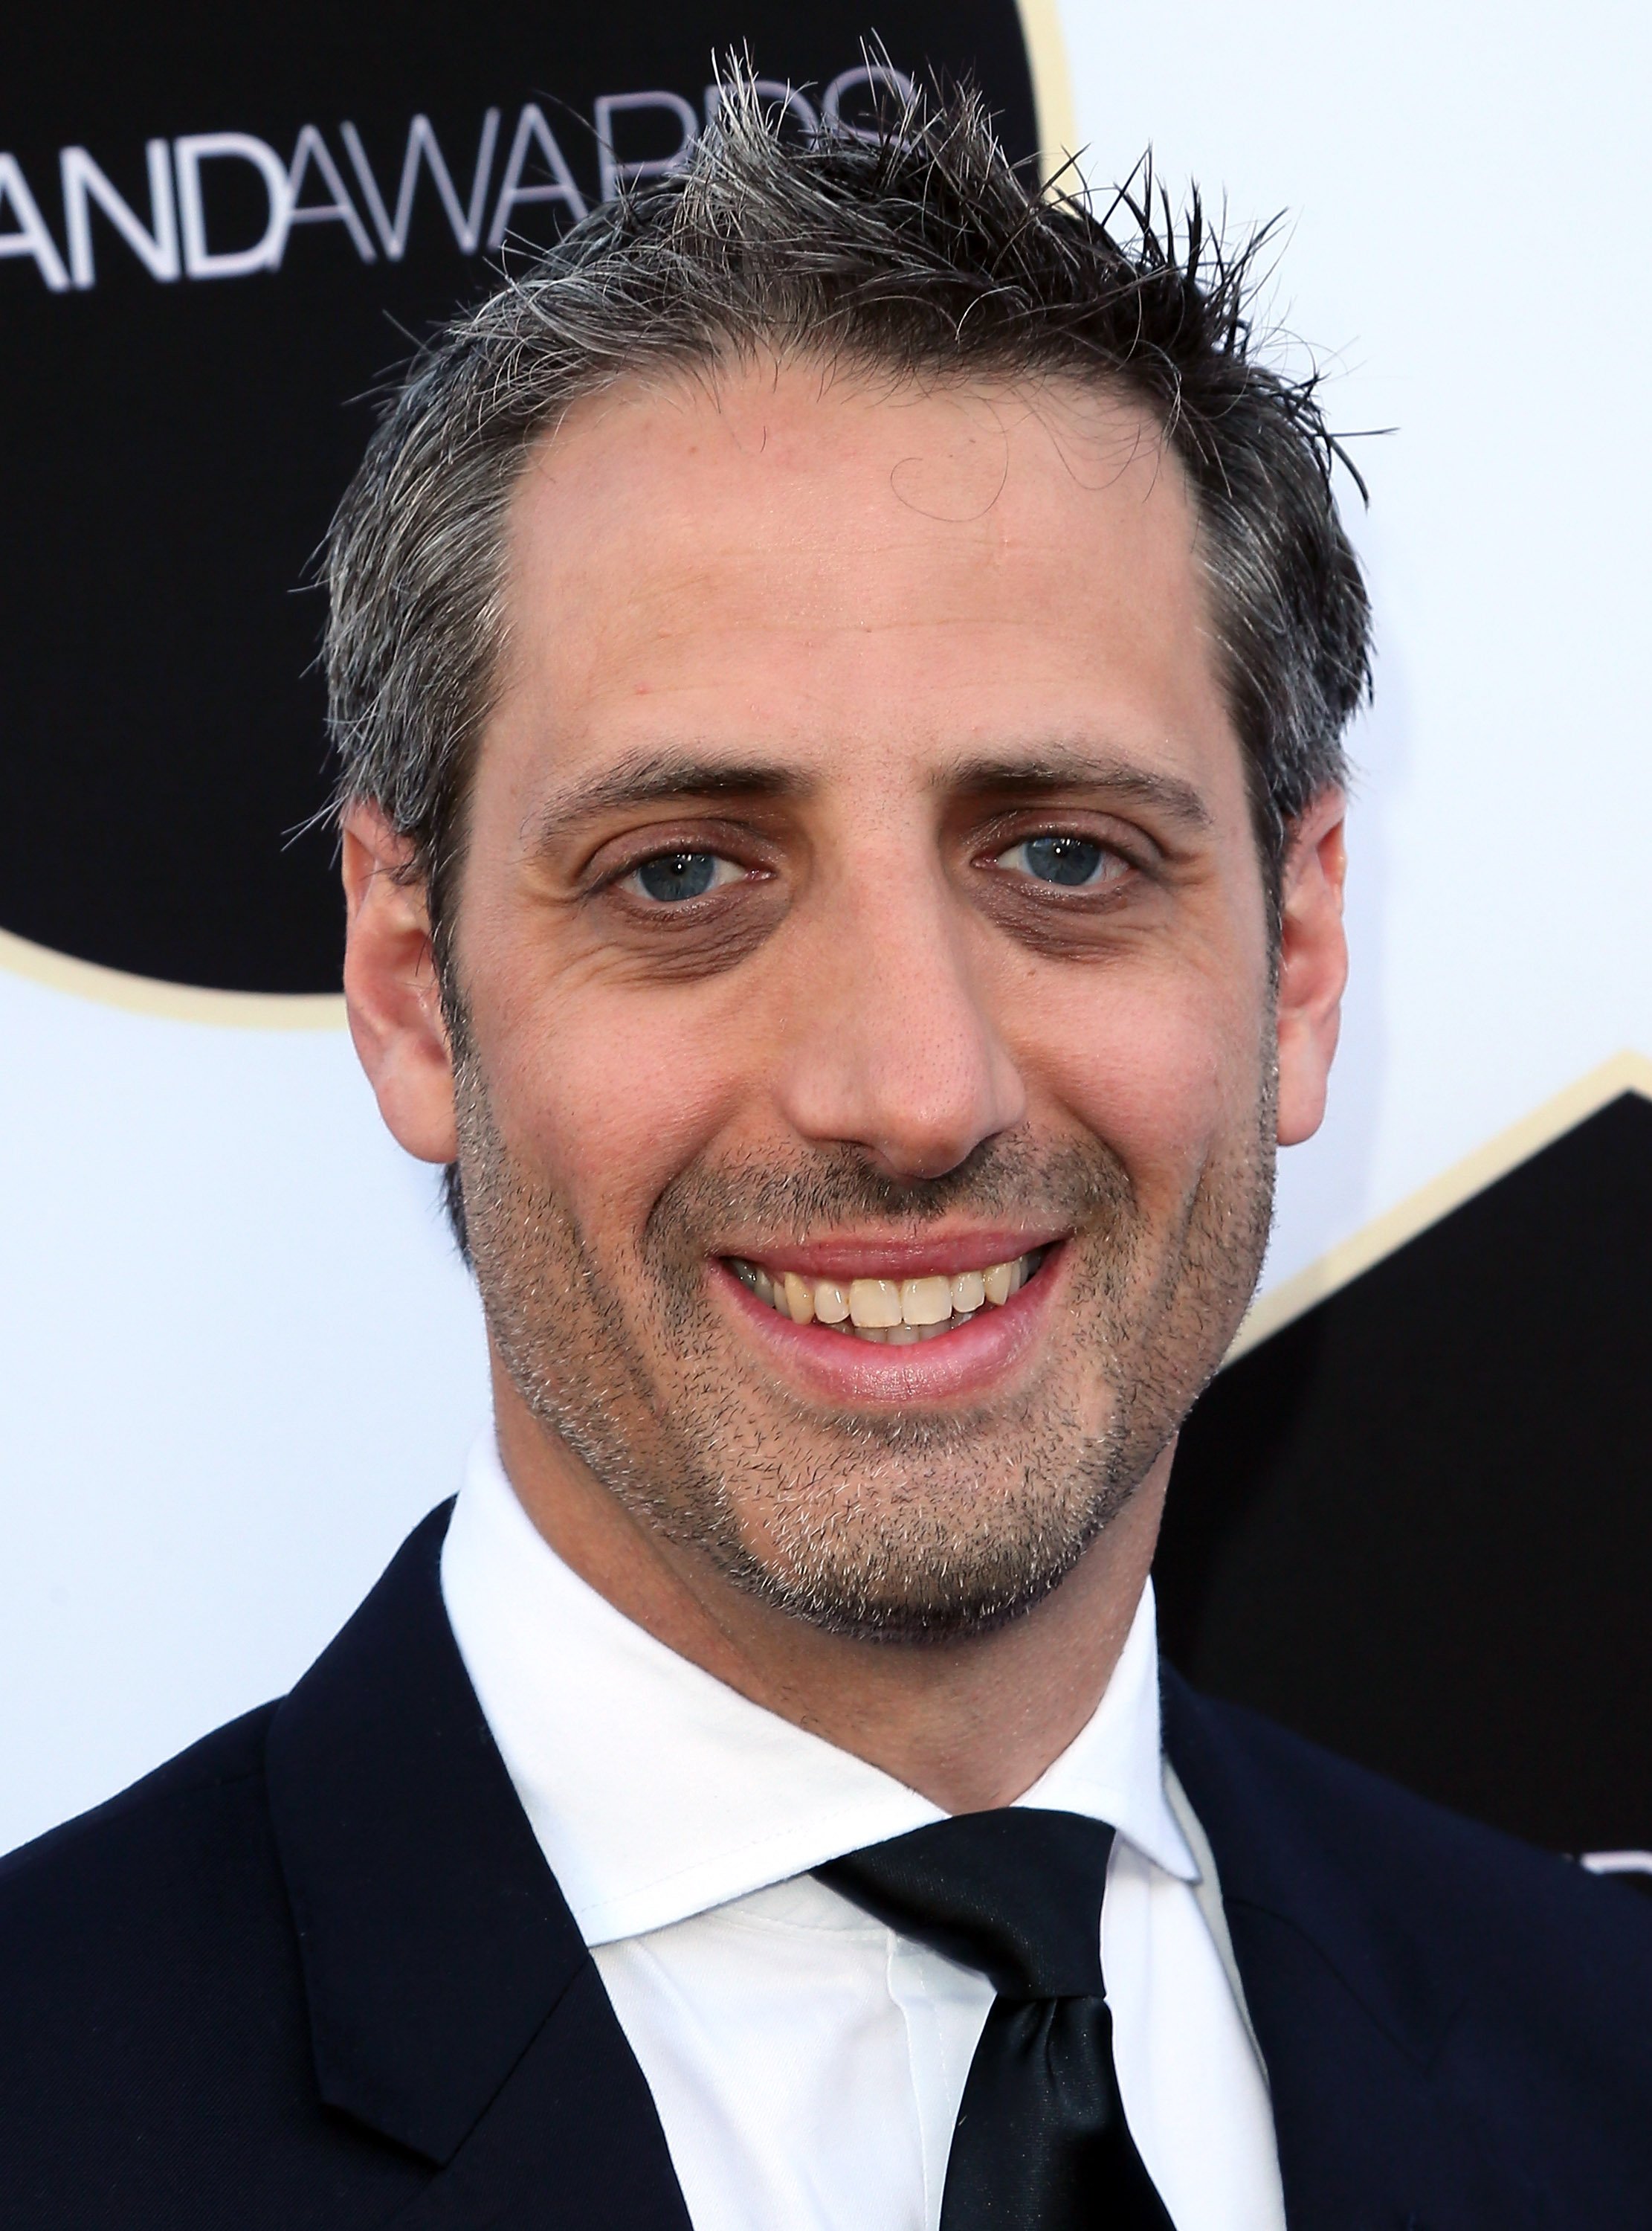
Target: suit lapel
x=1350, y=2011
x=454, y=2007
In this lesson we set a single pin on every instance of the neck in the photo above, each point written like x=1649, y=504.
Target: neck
x=969, y=1723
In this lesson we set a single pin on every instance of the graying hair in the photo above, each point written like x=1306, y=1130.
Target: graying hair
x=921, y=252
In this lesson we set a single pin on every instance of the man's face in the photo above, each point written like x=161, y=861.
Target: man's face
x=861, y=894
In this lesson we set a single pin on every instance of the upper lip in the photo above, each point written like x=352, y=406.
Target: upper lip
x=937, y=1253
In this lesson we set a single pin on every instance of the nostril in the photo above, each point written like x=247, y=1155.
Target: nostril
x=917, y=1161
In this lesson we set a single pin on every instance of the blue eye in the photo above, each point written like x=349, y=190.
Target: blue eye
x=670, y=877
x=1071, y=861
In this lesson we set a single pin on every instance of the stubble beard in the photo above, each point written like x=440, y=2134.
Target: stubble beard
x=905, y=1528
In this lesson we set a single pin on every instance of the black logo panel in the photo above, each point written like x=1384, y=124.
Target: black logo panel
x=213, y=249
x=1414, y=1524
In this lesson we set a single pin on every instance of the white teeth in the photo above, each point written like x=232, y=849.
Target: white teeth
x=874, y=1303
x=891, y=1313
x=926, y=1301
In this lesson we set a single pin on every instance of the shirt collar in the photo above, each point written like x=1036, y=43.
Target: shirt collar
x=655, y=1791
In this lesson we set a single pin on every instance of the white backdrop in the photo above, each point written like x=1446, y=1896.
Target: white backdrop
x=237, y=1358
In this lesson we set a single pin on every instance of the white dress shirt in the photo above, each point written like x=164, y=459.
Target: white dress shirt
x=807, y=2062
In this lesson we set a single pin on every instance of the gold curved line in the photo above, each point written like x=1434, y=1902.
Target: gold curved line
x=1052, y=82
x=184, y=1002
x=1293, y=1297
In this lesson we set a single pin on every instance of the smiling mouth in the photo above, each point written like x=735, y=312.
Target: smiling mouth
x=889, y=1312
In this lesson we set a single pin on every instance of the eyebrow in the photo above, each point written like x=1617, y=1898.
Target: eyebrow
x=653, y=778
x=1066, y=768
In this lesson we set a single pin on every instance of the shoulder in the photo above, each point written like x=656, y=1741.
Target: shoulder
x=1519, y=1983
x=1297, y=1813
x=148, y=1852
x=154, y=2059
x=125, y=1933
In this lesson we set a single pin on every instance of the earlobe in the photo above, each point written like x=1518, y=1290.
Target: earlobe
x=1312, y=965
x=391, y=990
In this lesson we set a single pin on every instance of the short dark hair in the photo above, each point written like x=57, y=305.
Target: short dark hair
x=923, y=251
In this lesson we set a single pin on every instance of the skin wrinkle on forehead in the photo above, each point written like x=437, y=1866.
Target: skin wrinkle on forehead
x=1069, y=416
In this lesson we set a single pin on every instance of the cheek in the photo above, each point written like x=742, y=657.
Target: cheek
x=610, y=1100
x=1164, y=1069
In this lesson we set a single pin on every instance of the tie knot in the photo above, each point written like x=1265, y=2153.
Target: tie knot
x=1015, y=1893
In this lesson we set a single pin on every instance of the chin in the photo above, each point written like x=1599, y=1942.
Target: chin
x=889, y=1588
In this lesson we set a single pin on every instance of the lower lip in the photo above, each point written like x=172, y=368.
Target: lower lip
x=973, y=1360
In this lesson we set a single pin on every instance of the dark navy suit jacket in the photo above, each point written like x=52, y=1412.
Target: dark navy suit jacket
x=314, y=1974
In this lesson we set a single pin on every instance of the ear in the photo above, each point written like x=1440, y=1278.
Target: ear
x=1312, y=964
x=390, y=991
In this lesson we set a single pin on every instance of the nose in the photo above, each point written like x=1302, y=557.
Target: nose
x=894, y=1049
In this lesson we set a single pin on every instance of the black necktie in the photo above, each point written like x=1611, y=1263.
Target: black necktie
x=1042, y=2143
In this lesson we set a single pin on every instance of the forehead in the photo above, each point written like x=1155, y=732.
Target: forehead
x=830, y=564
